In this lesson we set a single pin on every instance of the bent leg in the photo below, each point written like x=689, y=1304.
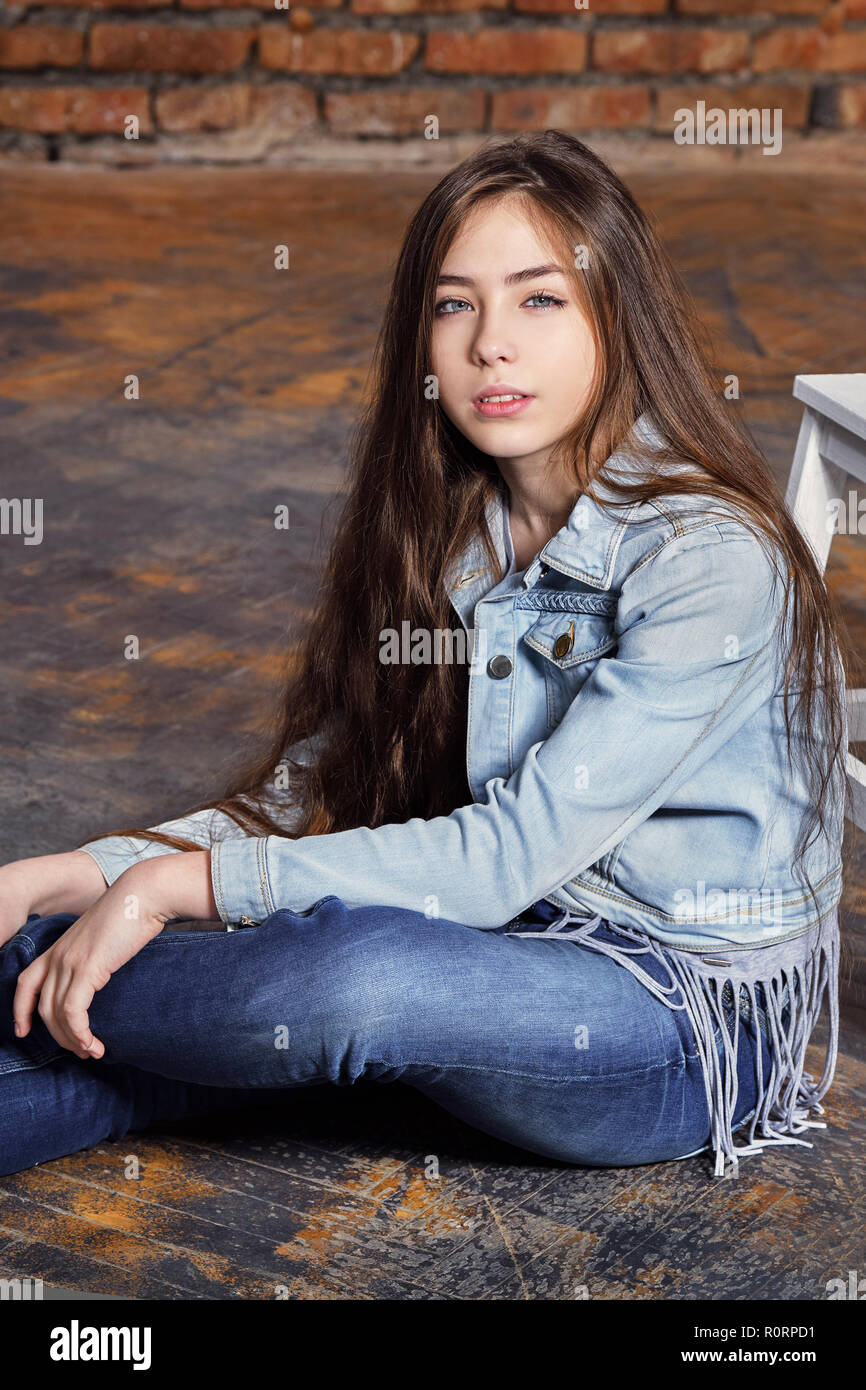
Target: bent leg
x=58, y=1105
x=541, y=1042
x=52, y=1103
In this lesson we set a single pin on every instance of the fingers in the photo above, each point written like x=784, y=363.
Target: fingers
x=30, y=982
x=73, y=1013
x=64, y=999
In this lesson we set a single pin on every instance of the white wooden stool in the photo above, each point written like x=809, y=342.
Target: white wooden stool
x=831, y=447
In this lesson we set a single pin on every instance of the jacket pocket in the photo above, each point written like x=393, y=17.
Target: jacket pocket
x=570, y=644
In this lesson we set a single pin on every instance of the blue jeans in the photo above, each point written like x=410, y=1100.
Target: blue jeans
x=541, y=1042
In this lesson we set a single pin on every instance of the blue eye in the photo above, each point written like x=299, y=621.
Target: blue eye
x=440, y=307
x=547, y=301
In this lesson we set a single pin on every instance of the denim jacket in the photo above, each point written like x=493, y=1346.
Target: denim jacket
x=625, y=748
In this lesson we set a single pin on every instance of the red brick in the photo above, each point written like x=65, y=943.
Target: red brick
x=257, y=4
x=81, y=110
x=425, y=6
x=571, y=108
x=94, y=4
x=370, y=52
x=403, y=112
x=159, y=48
x=670, y=50
x=812, y=50
x=793, y=101
x=833, y=18
x=595, y=7
x=852, y=106
x=302, y=21
x=47, y=45
x=749, y=7
x=286, y=105
x=506, y=51
x=203, y=108
x=232, y=105
x=787, y=48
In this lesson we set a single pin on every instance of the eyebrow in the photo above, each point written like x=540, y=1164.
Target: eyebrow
x=515, y=278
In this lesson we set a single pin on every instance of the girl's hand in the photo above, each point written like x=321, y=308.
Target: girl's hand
x=128, y=914
x=70, y=882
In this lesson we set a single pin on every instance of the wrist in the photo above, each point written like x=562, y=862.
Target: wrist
x=172, y=886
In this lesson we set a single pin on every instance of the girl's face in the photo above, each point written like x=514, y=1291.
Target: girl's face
x=505, y=316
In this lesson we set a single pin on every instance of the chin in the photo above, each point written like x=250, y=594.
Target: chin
x=508, y=445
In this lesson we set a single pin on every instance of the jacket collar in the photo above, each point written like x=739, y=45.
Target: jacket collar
x=584, y=548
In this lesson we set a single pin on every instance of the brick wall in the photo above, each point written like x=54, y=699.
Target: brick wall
x=229, y=79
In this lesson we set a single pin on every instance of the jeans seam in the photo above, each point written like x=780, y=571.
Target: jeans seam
x=11, y=1068
x=186, y=937
x=537, y=1076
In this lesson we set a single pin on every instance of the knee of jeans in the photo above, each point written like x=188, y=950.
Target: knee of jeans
x=369, y=975
x=366, y=992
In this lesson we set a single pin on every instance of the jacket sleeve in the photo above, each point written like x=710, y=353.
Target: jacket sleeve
x=115, y=853
x=697, y=656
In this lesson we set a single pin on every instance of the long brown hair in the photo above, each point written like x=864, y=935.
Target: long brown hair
x=418, y=490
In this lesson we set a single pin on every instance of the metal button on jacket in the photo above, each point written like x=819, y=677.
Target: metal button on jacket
x=563, y=644
x=499, y=667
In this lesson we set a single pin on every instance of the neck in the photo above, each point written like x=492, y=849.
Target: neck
x=539, y=503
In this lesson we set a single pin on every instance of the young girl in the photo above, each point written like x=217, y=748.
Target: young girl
x=604, y=932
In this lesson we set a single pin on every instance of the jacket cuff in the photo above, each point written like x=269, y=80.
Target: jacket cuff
x=239, y=878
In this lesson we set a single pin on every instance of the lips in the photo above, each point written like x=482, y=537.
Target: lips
x=501, y=400
x=498, y=388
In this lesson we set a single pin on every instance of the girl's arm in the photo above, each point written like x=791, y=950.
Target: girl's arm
x=48, y=883
x=698, y=655
x=124, y=918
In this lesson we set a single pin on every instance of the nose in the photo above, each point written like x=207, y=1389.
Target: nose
x=492, y=343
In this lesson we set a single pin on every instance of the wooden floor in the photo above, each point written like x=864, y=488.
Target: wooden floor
x=158, y=522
